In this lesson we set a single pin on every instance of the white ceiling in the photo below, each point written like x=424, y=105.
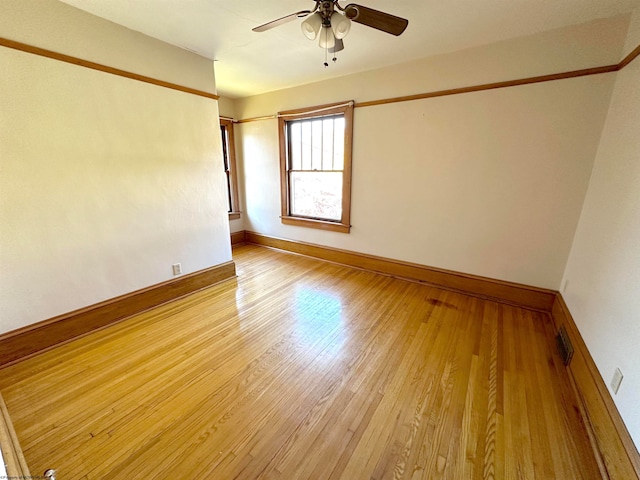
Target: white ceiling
x=248, y=63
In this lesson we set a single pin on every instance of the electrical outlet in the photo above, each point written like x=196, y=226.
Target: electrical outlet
x=177, y=268
x=616, y=380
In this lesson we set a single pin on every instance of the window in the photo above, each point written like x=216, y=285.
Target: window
x=229, y=156
x=315, y=166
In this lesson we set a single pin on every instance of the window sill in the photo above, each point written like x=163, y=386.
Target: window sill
x=319, y=224
x=234, y=215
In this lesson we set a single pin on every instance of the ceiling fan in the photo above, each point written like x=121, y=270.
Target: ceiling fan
x=332, y=21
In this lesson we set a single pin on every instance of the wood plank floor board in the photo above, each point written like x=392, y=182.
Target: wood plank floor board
x=538, y=423
x=359, y=371
x=303, y=369
x=369, y=451
x=299, y=441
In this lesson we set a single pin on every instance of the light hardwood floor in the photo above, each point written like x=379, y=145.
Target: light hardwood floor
x=304, y=369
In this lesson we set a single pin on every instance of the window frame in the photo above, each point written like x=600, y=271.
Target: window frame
x=342, y=108
x=232, y=173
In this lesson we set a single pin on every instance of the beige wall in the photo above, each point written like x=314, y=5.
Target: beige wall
x=489, y=183
x=105, y=182
x=64, y=29
x=227, y=107
x=603, y=272
x=588, y=45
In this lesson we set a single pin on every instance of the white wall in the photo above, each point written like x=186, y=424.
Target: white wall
x=105, y=182
x=603, y=272
x=488, y=183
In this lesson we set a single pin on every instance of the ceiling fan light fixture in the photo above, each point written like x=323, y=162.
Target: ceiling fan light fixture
x=339, y=46
x=311, y=26
x=327, y=38
x=332, y=22
x=340, y=25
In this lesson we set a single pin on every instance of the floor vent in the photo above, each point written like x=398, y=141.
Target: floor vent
x=564, y=345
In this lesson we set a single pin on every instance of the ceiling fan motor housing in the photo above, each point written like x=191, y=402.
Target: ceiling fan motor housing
x=326, y=10
x=352, y=12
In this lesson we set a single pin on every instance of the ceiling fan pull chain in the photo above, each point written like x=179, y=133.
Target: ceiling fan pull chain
x=326, y=46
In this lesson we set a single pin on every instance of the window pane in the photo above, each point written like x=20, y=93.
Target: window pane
x=306, y=145
x=316, y=194
x=295, y=145
x=327, y=144
x=225, y=155
x=316, y=152
x=338, y=144
x=229, y=205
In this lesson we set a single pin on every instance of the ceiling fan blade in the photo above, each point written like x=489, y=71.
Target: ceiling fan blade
x=281, y=21
x=338, y=46
x=376, y=19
